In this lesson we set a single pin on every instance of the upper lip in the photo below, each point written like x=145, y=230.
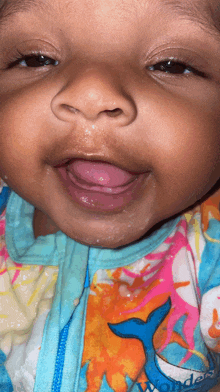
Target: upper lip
x=69, y=157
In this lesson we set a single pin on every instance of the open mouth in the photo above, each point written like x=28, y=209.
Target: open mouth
x=99, y=176
x=99, y=185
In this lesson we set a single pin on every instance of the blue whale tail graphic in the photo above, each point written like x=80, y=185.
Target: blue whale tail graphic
x=144, y=331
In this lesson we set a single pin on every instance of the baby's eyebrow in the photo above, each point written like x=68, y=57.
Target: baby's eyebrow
x=10, y=7
x=204, y=12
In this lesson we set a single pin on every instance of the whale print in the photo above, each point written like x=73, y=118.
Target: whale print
x=144, y=331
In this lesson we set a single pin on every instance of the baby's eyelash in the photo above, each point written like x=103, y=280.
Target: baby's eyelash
x=175, y=67
x=168, y=66
x=33, y=60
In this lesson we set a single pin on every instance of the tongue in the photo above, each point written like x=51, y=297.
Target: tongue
x=100, y=173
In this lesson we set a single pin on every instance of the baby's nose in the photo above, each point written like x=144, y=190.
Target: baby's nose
x=94, y=94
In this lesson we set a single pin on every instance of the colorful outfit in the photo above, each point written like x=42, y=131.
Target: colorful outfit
x=144, y=317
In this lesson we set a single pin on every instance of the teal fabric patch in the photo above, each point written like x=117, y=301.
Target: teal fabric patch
x=5, y=381
x=21, y=243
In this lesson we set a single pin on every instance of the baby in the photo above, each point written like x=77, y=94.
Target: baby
x=110, y=223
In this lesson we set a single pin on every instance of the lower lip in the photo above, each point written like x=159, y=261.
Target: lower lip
x=100, y=198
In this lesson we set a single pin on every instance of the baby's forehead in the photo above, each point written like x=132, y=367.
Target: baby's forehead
x=188, y=7
x=204, y=12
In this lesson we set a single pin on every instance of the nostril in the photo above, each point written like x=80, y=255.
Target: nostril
x=70, y=108
x=113, y=113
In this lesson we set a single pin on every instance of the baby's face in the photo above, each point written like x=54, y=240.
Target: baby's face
x=132, y=85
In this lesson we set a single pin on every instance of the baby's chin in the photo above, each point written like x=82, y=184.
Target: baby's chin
x=96, y=234
x=107, y=237
x=109, y=243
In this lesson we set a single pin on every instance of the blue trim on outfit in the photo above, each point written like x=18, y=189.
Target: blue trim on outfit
x=5, y=381
x=4, y=196
x=58, y=374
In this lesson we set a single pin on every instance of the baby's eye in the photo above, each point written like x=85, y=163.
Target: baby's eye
x=37, y=61
x=175, y=67
x=34, y=61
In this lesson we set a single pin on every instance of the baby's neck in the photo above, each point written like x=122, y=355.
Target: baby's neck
x=42, y=224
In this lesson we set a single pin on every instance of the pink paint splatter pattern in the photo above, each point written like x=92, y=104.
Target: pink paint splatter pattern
x=167, y=285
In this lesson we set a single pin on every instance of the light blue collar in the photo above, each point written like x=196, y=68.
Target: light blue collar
x=73, y=258
x=50, y=250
